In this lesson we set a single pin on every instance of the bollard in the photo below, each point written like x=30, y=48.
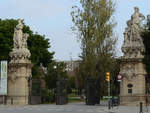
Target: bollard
x=141, y=107
x=11, y=101
x=3, y=100
x=109, y=105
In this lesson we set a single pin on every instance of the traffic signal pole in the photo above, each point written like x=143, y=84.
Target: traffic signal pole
x=108, y=81
x=109, y=95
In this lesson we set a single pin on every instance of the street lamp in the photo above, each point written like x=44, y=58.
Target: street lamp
x=55, y=66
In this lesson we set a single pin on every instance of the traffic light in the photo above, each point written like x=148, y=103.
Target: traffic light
x=107, y=76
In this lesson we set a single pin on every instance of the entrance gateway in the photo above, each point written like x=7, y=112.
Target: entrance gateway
x=132, y=69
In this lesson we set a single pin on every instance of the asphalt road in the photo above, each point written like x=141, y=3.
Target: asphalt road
x=69, y=108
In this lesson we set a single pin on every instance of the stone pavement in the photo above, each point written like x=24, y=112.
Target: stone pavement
x=69, y=108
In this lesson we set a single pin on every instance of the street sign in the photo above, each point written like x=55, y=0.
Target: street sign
x=119, y=78
x=3, y=78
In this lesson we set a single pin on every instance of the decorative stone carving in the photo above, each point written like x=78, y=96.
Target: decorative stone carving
x=133, y=45
x=44, y=69
x=128, y=71
x=132, y=68
x=20, y=52
x=18, y=35
x=14, y=73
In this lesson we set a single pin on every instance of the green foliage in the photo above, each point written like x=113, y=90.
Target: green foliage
x=146, y=41
x=71, y=81
x=69, y=89
x=55, y=69
x=94, y=23
x=48, y=96
x=6, y=40
x=37, y=44
x=75, y=98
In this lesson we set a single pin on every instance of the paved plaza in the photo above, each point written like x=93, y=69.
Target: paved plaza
x=69, y=108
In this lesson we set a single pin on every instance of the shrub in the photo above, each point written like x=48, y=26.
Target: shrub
x=48, y=96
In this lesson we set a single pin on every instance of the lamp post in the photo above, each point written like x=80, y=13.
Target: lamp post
x=55, y=67
x=119, y=81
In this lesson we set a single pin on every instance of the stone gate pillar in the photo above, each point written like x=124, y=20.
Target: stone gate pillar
x=132, y=69
x=19, y=69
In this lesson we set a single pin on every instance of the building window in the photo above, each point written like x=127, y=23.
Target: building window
x=130, y=91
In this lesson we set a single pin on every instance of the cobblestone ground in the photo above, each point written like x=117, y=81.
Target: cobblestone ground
x=70, y=108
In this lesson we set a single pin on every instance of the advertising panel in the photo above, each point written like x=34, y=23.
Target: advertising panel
x=3, y=78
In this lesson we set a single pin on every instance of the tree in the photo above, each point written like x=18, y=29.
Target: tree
x=94, y=23
x=55, y=70
x=37, y=44
x=71, y=81
x=146, y=41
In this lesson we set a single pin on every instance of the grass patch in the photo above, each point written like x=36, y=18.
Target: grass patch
x=74, y=98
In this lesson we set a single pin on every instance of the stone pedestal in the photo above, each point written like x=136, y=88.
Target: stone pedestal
x=18, y=89
x=133, y=85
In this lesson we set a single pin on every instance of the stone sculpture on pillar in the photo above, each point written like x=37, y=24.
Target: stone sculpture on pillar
x=133, y=45
x=132, y=68
x=20, y=52
x=19, y=68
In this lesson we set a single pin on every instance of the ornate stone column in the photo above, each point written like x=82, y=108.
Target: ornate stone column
x=19, y=69
x=132, y=68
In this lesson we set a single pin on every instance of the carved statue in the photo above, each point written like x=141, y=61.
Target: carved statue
x=137, y=18
x=132, y=68
x=20, y=53
x=133, y=46
x=44, y=69
x=127, y=34
x=18, y=35
x=24, y=40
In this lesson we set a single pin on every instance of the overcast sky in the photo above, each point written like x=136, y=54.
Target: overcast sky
x=52, y=18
